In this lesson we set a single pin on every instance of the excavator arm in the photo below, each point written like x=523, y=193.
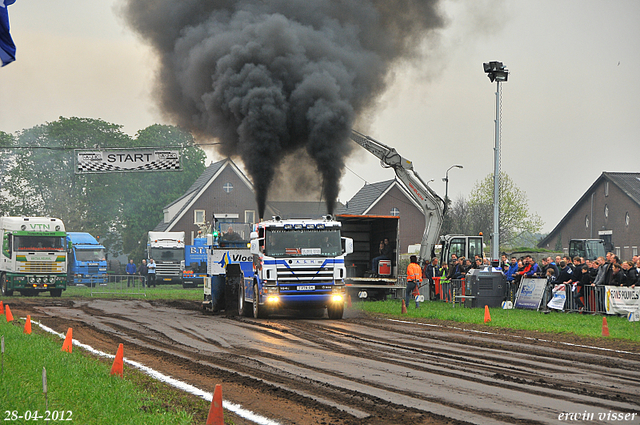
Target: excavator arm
x=432, y=205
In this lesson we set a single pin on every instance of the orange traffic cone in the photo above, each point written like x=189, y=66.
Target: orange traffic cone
x=487, y=316
x=27, y=325
x=605, y=327
x=216, y=415
x=349, y=301
x=1, y=308
x=404, y=307
x=68, y=343
x=7, y=310
x=117, y=367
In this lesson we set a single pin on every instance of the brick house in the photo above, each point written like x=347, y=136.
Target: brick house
x=222, y=191
x=609, y=210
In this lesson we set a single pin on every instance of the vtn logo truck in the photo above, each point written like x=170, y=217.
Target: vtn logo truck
x=39, y=226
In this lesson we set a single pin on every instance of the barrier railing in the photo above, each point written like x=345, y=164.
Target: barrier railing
x=590, y=300
x=119, y=284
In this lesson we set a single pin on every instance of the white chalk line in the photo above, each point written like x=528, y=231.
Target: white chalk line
x=235, y=408
x=515, y=336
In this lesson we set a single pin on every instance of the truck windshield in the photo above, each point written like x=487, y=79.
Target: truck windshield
x=38, y=243
x=167, y=254
x=303, y=243
x=90, y=255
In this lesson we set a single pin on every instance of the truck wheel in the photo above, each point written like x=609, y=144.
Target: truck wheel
x=231, y=295
x=258, y=312
x=56, y=293
x=243, y=309
x=5, y=292
x=335, y=311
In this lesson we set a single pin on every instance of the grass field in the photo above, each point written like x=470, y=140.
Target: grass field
x=164, y=292
x=554, y=322
x=80, y=387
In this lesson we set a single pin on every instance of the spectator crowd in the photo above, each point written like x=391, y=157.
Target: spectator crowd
x=577, y=271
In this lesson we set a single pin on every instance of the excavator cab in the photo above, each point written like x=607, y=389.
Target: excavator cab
x=461, y=246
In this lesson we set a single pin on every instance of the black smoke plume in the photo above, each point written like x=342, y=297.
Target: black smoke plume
x=273, y=77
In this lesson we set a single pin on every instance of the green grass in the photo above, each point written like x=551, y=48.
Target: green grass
x=164, y=292
x=80, y=384
x=554, y=322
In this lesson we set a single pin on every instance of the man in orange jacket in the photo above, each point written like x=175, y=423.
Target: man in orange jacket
x=414, y=279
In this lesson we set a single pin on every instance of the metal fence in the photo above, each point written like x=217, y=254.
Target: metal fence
x=591, y=299
x=119, y=284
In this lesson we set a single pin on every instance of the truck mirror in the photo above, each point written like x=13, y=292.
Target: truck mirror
x=348, y=245
x=255, y=246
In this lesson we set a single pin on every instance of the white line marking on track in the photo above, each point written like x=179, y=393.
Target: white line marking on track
x=235, y=408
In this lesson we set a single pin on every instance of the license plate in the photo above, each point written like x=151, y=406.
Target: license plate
x=306, y=288
x=167, y=278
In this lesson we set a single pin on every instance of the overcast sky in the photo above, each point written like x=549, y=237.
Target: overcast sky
x=571, y=107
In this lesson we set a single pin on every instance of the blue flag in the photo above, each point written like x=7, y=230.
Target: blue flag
x=7, y=48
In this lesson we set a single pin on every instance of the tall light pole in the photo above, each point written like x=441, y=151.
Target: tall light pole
x=446, y=180
x=496, y=71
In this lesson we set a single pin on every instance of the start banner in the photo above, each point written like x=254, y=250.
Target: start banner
x=622, y=299
x=119, y=160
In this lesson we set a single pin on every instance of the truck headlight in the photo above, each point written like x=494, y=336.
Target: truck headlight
x=272, y=299
x=338, y=289
x=337, y=298
x=272, y=290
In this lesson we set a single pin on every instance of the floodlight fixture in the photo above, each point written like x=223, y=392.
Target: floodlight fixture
x=496, y=71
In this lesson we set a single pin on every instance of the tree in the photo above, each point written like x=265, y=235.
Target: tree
x=120, y=207
x=515, y=218
x=148, y=193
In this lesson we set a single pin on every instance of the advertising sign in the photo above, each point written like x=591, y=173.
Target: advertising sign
x=622, y=299
x=530, y=293
x=119, y=160
x=559, y=297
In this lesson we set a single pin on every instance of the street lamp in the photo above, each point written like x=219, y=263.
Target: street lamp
x=446, y=180
x=496, y=71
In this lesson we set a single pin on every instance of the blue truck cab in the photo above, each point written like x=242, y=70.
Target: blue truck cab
x=87, y=262
x=195, y=260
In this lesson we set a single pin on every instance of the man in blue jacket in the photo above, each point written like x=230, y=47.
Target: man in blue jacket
x=131, y=270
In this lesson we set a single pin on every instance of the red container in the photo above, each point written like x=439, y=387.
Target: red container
x=384, y=267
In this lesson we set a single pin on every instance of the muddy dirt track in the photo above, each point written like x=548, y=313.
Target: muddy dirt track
x=360, y=370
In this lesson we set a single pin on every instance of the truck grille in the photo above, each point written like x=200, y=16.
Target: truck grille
x=41, y=267
x=168, y=270
x=300, y=275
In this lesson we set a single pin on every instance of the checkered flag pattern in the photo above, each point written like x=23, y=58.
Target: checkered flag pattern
x=97, y=164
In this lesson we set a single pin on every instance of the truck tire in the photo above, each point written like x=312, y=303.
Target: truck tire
x=3, y=284
x=243, y=309
x=335, y=311
x=231, y=295
x=258, y=312
x=56, y=293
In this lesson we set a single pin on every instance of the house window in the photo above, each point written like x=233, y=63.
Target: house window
x=250, y=216
x=586, y=222
x=634, y=250
x=606, y=188
x=198, y=216
x=395, y=211
x=627, y=218
x=617, y=250
x=227, y=187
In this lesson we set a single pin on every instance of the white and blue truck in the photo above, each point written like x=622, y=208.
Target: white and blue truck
x=34, y=256
x=292, y=264
x=87, y=263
